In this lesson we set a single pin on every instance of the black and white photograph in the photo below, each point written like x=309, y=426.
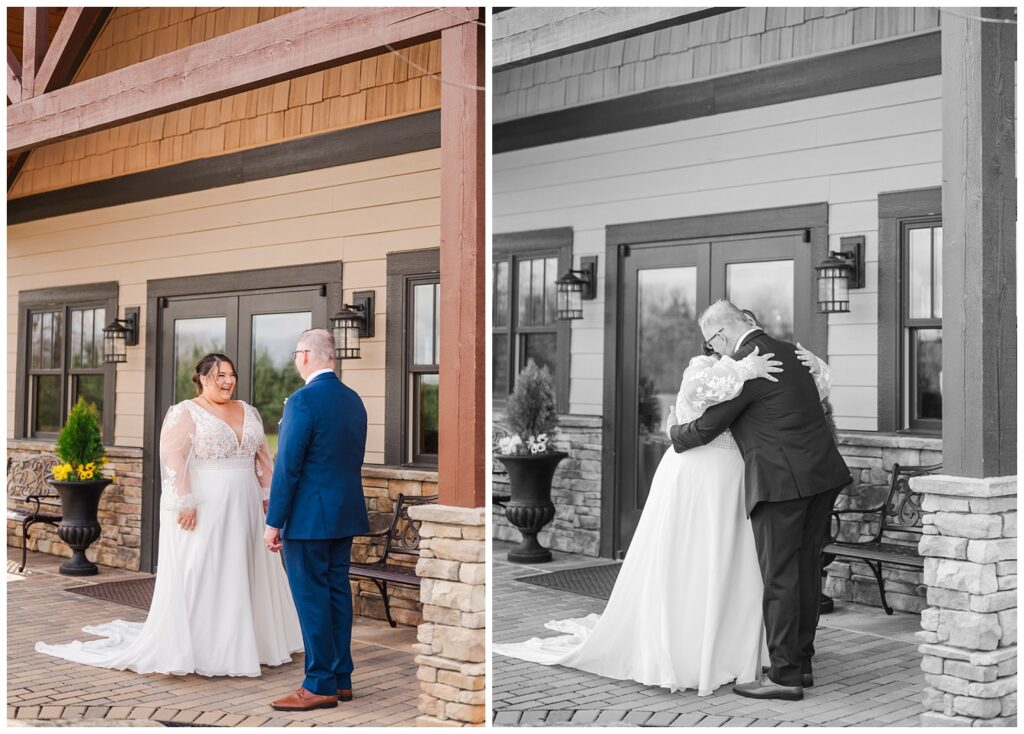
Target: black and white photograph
x=754, y=368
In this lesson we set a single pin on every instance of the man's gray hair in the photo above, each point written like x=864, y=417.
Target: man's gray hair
x=722, y=313
x=320, y=344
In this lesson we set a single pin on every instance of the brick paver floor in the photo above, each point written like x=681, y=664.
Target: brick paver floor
x=46, y=690
x=867, y=670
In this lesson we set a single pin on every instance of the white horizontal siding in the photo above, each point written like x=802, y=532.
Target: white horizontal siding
x=356, y=213
x=842, y=149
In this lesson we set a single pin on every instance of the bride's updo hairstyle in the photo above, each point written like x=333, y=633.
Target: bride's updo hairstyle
x=207, y=365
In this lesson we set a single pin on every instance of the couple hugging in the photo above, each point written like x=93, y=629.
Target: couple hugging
x=223, y=604
x=723, y=577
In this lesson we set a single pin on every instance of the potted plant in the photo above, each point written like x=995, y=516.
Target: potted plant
x=80, y=483
x=530, y=459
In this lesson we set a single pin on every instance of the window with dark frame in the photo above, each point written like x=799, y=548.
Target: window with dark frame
x=413, y=358
x=921, y=316
x=422, y=361
x=61, y=358
x=525, y=268
x=910, y=311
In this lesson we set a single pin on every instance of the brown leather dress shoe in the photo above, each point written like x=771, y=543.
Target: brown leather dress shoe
x=344, y=694
x=303, y=700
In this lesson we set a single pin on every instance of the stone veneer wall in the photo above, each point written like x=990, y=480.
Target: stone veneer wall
x=453, y=637
x=381, y=487
x=870, y=457
x=575, y=490
x=120, y=512
x=970, y=626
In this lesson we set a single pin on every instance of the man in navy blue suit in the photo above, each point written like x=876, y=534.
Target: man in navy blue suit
x=316, y=506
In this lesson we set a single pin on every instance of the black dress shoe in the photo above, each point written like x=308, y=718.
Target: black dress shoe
x=767, y=688
x=806, y=679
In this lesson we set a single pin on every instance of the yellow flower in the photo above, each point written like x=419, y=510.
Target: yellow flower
x=85, y=474
x=104, y=461
x=90, y=466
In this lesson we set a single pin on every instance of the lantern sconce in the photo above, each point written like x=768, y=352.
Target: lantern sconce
x=575, y=287
x=838, y=273
x=353, y=322
x=120, y=334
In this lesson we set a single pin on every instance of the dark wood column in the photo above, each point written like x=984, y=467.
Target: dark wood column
x=979, y=195
x=463, y=301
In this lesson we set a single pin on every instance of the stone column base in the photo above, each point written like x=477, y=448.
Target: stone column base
x=452, y=638
x=970, y=628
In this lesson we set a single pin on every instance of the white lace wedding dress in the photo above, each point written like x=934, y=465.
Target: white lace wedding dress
x=685, y=612
x=222, y=604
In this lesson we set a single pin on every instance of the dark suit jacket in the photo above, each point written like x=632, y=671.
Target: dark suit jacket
x=780, y=427
x=317, y=489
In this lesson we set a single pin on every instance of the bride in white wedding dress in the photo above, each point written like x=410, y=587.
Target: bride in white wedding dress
x=685, y=611
x=221, y=604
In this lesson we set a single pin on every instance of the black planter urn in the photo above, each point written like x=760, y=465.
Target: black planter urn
x=80, y=527
x=530, y=507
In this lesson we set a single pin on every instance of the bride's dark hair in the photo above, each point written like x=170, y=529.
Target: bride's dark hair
x=207, y=365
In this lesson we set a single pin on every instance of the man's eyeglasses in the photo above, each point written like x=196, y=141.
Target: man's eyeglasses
x=706, y=348
x=297, y=352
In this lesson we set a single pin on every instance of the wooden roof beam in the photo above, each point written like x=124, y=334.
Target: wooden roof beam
x=76, y=30
x=33, y=47
x=13, y=77
x=294, y=44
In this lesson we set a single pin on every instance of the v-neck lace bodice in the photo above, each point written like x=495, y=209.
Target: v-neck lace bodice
x=215, y=438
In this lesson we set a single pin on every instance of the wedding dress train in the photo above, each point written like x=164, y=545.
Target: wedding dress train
x=221, y=604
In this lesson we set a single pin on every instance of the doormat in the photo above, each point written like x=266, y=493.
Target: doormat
x=595, y=581
x=136, y=593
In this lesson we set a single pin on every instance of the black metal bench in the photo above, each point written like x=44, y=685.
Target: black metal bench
x=26, y=482
x=401, y=538
x=900, y=515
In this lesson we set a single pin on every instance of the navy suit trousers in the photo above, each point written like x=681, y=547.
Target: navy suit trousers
x=324, y=603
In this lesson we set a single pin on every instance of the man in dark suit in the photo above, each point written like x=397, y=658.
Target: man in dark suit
x=316, y=506
x=793, y=472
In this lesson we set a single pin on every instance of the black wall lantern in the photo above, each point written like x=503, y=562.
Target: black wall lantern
x=120, y=334
x=838, y=273
x=353, y=322
x=575, y=287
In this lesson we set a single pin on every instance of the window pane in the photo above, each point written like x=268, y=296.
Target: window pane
x=273, y=371
x=919, y=273
x=766, y=289
x=541, y=348
x=437, y=323
x=501, y=294
x=90, y=387
x=537, y=293
x=37, y=341
x=87, y=337
x=523, y=292
x=425, y=394
x=550, y=274
x=52, y=337
x=937, y=273
x=927, y=378
x=194, y=339
x=423, y=324
x=499, y=366
x=46, y=404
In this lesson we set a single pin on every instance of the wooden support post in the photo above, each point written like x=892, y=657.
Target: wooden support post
x=77, y=29
x=979, y=195
x=33, y=48
x=463, y=301
x=13, y=77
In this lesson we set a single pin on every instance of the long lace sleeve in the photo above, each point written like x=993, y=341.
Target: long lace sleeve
x=708, y=381
x=822, y=378
x=264, y=465
x=177, y=437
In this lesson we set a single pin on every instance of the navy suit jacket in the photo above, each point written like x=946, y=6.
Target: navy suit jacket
x=780, y=427
x=317, y=490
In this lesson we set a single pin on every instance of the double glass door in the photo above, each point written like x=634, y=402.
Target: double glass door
x=663, y=289
x=257, y=331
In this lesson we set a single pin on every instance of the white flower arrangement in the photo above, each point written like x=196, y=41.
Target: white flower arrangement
x=514, y=445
